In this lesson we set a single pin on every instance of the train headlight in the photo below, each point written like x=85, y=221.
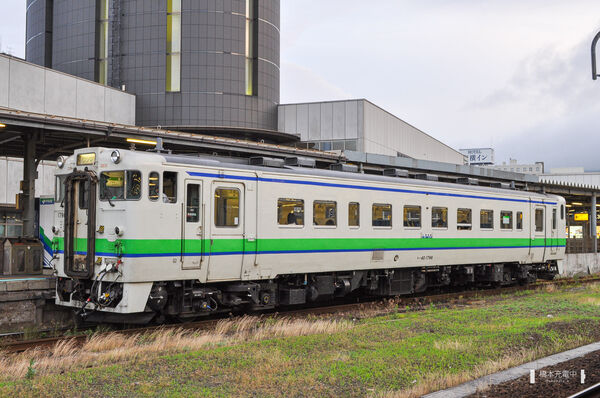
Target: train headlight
x=115, y=156
x=119, y=231
x=60, y=162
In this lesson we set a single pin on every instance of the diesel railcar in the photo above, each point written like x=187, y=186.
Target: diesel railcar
x=147, y=235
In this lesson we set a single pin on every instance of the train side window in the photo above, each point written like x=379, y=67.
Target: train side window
x=439, y=217
x=412, y=216
x=227, y=207
x=112, y=185
x=553, y=218
x=539, y=220
x=463, y=219
x=506, y=219
x=192, y=210
x=133, y=184
x=290, y=211
x=353, y=214
x=486, y=219
x=60, y=189
x=382, y=215
x=324, y=212
x=519, y=220
x=153, y=186
x=169, y=194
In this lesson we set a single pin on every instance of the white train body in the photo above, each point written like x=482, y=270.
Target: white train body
x=184, y=235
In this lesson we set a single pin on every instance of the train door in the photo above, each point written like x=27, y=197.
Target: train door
x=227, y=243
x=554, y=232
x=192, y=221
x=80, y=224
x=538, y=233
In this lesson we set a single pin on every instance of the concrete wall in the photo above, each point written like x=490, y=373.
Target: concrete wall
x=11, y=172
x=32, y=88
x=579, y=264
x=375, y=130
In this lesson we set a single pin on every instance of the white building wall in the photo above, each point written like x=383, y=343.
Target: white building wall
x=32, y=88
x=377, y=131
x=11, y=173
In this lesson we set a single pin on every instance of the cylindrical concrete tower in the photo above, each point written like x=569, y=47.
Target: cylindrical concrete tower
x=197, y=65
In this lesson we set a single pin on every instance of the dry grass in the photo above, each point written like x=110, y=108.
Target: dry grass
x=114, y=348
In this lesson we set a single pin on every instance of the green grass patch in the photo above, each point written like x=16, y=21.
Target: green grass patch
x=380, y=355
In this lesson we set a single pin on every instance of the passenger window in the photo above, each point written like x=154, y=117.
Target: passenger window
x=153, y=186
x=539, y=220
x=519, y=220
x=134, y=185
x=353, y=214
x=382, y=215
x=193, y=203
x=486, y=219
x=227, y=207
x=169, y=194
x=290, y=211
x=324, y=212
x=553, y=218
x=463, y=219
x=506, y=221
x=412, y=216
x=439, y=217
x=112, y=185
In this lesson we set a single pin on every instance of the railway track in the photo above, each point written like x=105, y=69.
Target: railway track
x=591, y=392
x=414, y=303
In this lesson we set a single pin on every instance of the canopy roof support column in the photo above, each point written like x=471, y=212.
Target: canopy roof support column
x=28, y=186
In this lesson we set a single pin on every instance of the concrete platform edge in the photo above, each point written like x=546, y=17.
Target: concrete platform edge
x=471, y=387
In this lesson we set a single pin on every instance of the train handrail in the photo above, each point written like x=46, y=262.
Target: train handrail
x=594, y=69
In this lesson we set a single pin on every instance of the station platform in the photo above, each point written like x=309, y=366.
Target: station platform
x=27, y=302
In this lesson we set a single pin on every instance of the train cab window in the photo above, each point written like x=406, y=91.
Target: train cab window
x=84, y=194
x=519, y=220
x=553, y=218
x=169, y=194
x=506, y=219
x=382, y=215
x=290, y=211
x=353, y=214
x=486, y=219
x=227, y=207
x=539, y=220
x=192, y=209
x=324, y=213
x=60, y=188
x=112, y=185
x=439, y=217
x=153, y=186
x=463, y=219
x=133, y=184
x=412, y=216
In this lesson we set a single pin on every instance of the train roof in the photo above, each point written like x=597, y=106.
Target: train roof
x=294, y=170
x=307, y=171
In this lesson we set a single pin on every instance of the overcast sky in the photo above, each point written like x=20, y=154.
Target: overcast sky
x=512, y=75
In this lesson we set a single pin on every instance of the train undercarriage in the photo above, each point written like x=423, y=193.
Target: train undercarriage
x=188, y=299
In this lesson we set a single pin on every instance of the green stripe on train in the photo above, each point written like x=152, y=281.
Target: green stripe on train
x=162, y=246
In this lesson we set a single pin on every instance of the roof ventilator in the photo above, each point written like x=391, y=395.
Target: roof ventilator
x=501, y=185
x=348, y=168
x=266, y=162
x=467, y=181
x=299, y=161
x=425, y=176
x=395, y=173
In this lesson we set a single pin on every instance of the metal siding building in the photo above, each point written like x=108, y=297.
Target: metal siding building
x=212, y=50
x=359, y=125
